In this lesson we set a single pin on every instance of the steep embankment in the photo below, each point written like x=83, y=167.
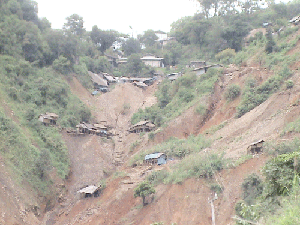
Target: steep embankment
x=94, y=158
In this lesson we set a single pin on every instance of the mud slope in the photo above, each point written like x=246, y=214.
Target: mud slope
x=187, y=203
x=94, y=158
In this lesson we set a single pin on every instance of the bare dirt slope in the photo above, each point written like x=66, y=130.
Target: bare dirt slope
x=181, y=204
x=93, y=158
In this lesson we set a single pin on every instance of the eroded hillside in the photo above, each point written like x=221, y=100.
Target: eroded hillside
x=94, y=159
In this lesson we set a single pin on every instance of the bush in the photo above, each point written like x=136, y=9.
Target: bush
x=289, y=84
x=196, y=166
x=226, y=56
x=143, y=190
x=175, y=97
x=62, y=65
x=157, y=177
x=232, y=92
x=216, y=188
x=254, y=96
x=175, y=147
x=201, y=109
x=252, y=188
x=280, y=173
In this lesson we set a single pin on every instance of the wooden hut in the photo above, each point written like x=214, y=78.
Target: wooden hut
x=142, y=126
x=48, y=118
x=255, y=147
x=89, y=191
x=156, y=158
x=86, y=128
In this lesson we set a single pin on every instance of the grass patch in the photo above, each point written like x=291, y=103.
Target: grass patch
x=215, y=128
x=196, y=166
x=241, y=160
x=176, y=97
x=254, y=94
x=119, y=174
x=134, y=145
x=293, y=127
x=174, y=147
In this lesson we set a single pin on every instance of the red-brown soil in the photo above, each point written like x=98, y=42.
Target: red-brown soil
x=94, y=158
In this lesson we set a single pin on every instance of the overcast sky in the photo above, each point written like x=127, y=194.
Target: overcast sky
x=119, y=15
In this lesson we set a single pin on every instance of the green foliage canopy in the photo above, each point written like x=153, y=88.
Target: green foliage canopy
x=143, y=190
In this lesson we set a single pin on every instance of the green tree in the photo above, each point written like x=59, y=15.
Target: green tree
x=55, y=40
x=236, y=30
x=225, y=56
x=270, y=41
x=62, y=65
x=232, y=92
x=74, y=25
x=44, y=24
x=173, y=52
x=103, y=39
x=32, y=44
x=74, y=32
x=252, y=188
x=143, y=190
x=134, y=65
x=149, y=37
x=280, y=173
x=131, y=46
x=30, y=10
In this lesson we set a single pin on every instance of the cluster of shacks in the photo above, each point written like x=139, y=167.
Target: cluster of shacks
x=102, y=81
x=98, y=129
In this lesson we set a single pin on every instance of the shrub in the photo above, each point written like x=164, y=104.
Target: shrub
x=151, y=136
x=254, y=96
x=226, y=56
x=143, y=190
x=201, y=109
x=289, y=84
x=252, y=188
x=196, y=166
x=232, y=92
x=157, y=177
x=216, y=188
x=280, y=173
x=62, y=65
x=175, y=147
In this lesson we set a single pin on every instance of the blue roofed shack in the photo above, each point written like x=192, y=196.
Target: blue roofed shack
x=156, y=158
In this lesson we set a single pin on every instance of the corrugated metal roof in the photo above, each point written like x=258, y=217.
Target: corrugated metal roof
x=141, y=123
x=100, y=126
x=98, y=80
x=154, y=155
x=89, y=126
x=52, y=114
x=89, y=190
x=140, y=84
x=260, y=141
